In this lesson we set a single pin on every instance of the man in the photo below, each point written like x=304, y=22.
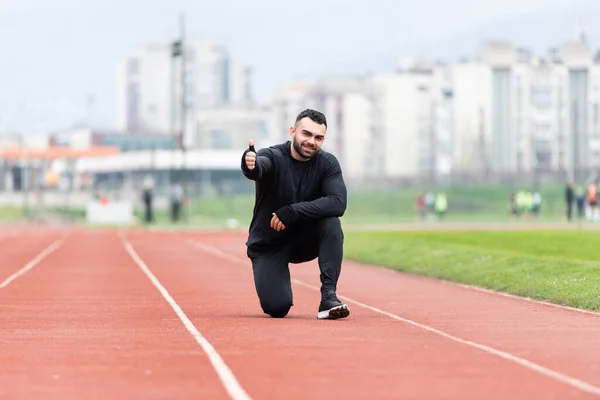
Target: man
x=300, y=195
x=569, y=195
x=176, y=199
x=148, y=197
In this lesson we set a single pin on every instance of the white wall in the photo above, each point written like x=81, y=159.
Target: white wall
x=353, y=157
x=232, y=127
x=471, y=83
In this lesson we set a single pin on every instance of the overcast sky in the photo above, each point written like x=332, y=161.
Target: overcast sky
x=57, y=52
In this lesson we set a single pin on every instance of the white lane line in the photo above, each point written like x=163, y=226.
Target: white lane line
x=491, y=291
x=31, y=264
x=231, y=384
x=523, y=298
x=576, y=383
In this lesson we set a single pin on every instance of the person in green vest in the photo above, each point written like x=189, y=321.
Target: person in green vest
x=520, y=203
x=529, y=203
x=441, y=204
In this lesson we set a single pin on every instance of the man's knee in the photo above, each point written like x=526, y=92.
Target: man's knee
x=276, y=308
x=330, y=224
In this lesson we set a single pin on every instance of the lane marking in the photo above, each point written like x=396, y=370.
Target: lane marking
x=480, y=289
x=576, y=383
x=231, y=384
x=523, y=298
x=31, y=264
x=488, y=291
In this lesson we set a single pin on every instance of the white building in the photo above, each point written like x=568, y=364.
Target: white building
x=346, y=108
x=391, y=125
x=230, y=128
x=144, y=89
x=471, y=88
x=411, y=123
x=516, y=112
x=149, y=84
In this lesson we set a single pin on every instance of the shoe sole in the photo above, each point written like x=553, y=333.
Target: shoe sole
x=335, y=313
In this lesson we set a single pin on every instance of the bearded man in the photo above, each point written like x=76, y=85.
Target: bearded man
x=300, y=197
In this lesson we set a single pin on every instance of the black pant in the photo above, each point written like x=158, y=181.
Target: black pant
x=149, y=215
x=322, y=239
x=175, y=208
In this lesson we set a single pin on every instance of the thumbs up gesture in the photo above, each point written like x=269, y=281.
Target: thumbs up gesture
x=250, y=156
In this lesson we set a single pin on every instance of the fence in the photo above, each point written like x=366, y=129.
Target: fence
x=219, y=197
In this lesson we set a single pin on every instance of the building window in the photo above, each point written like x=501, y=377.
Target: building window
x=541, y=98
x=133, y=66
x=219, y=139
x=133, y=106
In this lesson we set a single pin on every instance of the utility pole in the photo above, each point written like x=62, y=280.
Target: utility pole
x=174, y=53
x=178, y=51
x=186, y=192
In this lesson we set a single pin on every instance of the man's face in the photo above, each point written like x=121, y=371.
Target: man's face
x=307, y=137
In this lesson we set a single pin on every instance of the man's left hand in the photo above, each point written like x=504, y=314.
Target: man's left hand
x=276, y=223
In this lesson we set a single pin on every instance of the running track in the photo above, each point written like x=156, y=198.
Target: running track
x=140, y=315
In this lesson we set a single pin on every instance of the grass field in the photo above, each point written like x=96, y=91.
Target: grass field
x=11, y=213
x=557, y=266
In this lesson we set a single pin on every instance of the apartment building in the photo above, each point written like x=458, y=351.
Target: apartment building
x=389, y=125
x=517, y=112
x=346, y=107
x=505, y=111
x=150, y=82
x=230, y=128
x=411, y=118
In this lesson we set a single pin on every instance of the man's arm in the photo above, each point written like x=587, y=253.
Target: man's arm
x=332, y=204
x=261, y=166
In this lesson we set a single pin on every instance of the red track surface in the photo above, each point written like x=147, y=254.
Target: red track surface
x=173, y=315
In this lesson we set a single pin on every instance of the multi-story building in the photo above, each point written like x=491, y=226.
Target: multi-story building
x=411, y=132
x=389, y=125
x=504, y=112
x=346, y=108
x=516, y=112
x=230, y=128
x=150, y=82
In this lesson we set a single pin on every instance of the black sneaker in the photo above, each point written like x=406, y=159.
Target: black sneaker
x=332, y=308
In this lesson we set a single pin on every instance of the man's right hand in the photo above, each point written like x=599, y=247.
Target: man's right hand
x=250, y=158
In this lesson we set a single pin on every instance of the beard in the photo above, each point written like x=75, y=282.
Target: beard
x=305, y=152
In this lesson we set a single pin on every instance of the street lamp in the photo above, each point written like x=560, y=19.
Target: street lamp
x=178, y=51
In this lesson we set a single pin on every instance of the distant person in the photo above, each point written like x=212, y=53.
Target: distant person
x=580, y=200
x=520, y=202
x=569, y=197
x=300, y=197
x=441, y=205
x=421, y=206
x=176, y=199
x=528, y=202
x=536, y=203
x=512, y=205
x=430, y=202
x=148, y=198
x=592, y=197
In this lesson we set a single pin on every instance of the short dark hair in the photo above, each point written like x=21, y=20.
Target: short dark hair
x=314, y=115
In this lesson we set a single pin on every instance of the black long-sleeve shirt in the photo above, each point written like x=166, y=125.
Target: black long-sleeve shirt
x=296, y=191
